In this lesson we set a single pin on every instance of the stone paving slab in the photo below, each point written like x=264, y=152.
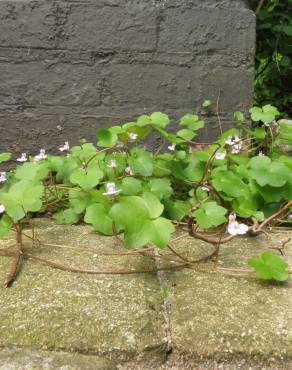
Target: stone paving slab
x=210, y=320
x=223, y=317
x=115, y=316
x=31, y=359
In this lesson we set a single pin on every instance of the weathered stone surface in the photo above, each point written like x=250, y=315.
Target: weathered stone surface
x=91, y=62
x=31, y=359
x=210, y=320
x=221, y=316
x=118, y=317
x=206, y=29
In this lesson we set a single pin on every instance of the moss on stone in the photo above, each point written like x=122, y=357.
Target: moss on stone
x=210, y=317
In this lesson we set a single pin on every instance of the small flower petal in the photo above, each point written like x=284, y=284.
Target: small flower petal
x=232, y=217
x=65, y=147
x=112, y=164
x=132, y=136
x=129, y=171
x=229, y=141
x=242, y=229
x=3, y=176
x=2, y=208
x=111, y=189
x=234, y=228
x=22, y=158
x=40, y=156
x=220, y=155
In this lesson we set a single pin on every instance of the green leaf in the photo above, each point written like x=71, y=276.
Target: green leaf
x=160, y=168
x=239, y=116
x=22, y=197
x=98, y=217
x=143, y=120
x=258, y=132
x=159, y=119
x=202, y=155
x=192, y=121
x=106, y=138
x=64, y=169
x=161, y=188
x=268, y=266
x=210, y=214
x=271, y=194
x=5, y=226
x=266, y=172
x=229, y=183
x=160, y=231
x=87, y=180
x=66, y=217
x=248, y=207
x=84, y=152
x=265, y=114
x=186, y=134
x=178, y=209
x=32, y=171
x=155, y=208
x=177, y=170
x=130, y=212
x=5, y=157
x=141, y=162
x=79, y=199
x=131, y=186
x=194, y=171
x=206, y=103
x=287, y=30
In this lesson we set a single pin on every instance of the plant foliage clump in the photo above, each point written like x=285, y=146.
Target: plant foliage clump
x=273, y=81
x=239, y=183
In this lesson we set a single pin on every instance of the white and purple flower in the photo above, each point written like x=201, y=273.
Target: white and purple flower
x=220, y=155
x=235, y=144
x=3, y=177
x=112, y=164
x=2, y=208
x=171, y=147
x=40, y=156
x=129, y=171
x=235, y=228
x=65, y=147
x=111, y=189
x=132, y=136
x=22, y=158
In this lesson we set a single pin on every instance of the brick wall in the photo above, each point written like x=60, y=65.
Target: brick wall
x=70, y=67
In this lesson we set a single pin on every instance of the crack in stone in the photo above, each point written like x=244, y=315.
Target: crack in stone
x=161, y=277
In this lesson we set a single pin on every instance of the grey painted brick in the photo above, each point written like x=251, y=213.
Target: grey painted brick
x=200, y=4
x=206, y=29
x=85, y=64
x=77, y=25
x=34, y=84
x=28, y=24
x=154, y=84
x=128, y=28
x=234, y=86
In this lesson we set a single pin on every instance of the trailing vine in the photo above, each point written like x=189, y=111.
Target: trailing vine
x=239, y=184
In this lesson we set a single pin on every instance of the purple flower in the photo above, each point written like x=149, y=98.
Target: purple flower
x=22, y=158
x=235, y=228
x=111, y=189
x=65, y=147
x=3, y=176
